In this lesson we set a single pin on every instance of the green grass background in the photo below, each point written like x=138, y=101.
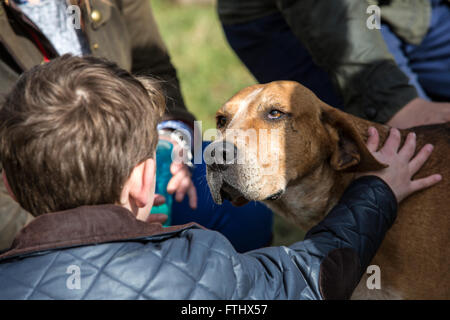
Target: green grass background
x=209, y=71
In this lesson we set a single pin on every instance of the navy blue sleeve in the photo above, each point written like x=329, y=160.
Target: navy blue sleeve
x=361, y=219
x=329, y=263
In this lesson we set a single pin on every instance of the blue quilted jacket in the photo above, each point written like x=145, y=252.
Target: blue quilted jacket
x=103, y=252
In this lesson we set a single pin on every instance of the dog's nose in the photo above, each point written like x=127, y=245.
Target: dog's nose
x=222, y=155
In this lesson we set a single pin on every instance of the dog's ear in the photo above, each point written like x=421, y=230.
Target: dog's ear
x=349, y=151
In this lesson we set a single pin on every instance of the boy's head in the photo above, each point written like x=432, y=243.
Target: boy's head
x=74, y=130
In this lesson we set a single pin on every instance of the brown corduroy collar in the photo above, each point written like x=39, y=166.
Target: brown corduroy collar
x=83, y=226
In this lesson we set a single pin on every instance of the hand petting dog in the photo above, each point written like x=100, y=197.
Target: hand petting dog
x=402, y=165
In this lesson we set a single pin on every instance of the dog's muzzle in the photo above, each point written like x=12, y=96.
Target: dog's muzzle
x=220, y=156
x=233, y=195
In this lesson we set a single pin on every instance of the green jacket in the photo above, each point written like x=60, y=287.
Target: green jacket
x=123, y=31
x=356, y=57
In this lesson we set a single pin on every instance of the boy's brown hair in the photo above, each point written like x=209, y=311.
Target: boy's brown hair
x=72, y=130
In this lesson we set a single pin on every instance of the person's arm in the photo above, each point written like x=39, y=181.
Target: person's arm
x=329, y=263
x=150, y=57
x=419, y=112
x=366, y=74
x=12, y=217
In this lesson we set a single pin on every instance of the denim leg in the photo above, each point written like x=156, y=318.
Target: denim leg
x=426, y=64
x=431, y=59
x=396, y=48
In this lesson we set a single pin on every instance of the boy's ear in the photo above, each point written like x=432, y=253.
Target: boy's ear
x=142, y=183
x=349, y=149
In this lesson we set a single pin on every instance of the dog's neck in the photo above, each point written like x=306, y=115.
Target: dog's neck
x=308, y=199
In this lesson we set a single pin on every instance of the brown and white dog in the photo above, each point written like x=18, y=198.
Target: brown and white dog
x=317, y=152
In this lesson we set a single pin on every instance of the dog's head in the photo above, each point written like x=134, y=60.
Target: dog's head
x=272, y=135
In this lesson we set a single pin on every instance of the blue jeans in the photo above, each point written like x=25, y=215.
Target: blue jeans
x=428, y=64
x=248, y=227
x=270, y=50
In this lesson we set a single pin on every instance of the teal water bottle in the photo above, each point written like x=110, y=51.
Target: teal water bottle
x=163, y=175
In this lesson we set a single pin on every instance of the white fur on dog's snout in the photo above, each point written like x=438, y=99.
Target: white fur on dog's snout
x=215, y=182
x=243, y=107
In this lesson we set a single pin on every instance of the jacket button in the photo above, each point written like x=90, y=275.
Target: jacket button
x=95, y=46
x=96, y=16
x=371, y=112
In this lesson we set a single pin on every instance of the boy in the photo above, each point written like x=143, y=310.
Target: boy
x=77, y=142
x=126, y=33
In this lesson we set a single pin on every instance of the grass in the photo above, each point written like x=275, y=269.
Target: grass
x=208, y=70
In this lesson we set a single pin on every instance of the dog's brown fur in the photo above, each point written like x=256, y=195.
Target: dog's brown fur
x=323, y=149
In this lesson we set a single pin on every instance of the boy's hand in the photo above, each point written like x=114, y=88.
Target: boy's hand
x=401, y=167
x=181, y=183
x=158, y=200
x=157, y=218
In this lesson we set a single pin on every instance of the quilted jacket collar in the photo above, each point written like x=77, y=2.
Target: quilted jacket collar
x=83, y=226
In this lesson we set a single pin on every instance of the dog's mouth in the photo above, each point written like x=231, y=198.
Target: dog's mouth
x=232, y=194
x=222, y=190
x=277, y=195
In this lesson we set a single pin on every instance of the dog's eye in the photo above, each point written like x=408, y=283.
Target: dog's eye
x=221, y=121
x=275, y=114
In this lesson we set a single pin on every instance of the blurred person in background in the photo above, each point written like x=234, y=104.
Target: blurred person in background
x=397, y=73
x=125, y=32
